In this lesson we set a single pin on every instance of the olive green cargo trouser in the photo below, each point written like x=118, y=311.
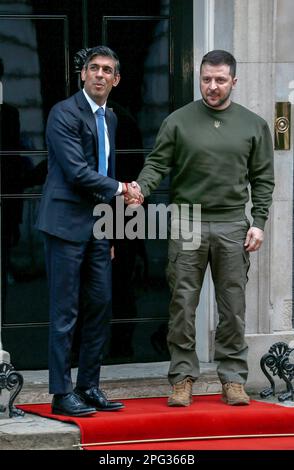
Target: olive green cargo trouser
x=222, y=246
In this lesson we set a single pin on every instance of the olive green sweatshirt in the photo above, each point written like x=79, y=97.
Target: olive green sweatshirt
x=213, y=156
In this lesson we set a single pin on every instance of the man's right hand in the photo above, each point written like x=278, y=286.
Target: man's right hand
x=133, y=194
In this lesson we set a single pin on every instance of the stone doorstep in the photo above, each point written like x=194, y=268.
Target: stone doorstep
x=124, y=388
x=33, y=432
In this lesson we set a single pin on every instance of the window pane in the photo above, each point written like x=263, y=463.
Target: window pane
x=143, y=93
x=24, y=289
x=33, y=78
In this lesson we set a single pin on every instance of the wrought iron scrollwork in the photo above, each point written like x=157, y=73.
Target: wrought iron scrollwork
x=80, y=58
x=276, y=362
x=12, y=381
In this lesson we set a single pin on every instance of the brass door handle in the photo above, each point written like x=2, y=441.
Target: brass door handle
x=282, y=125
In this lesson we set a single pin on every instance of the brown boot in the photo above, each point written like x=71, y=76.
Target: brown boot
x=181, y=393
x=234, y=394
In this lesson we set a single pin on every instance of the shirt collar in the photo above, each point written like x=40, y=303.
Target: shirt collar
x=94, y=106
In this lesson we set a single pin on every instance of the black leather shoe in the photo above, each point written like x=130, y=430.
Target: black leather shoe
x=95, y=397
x=71, y=404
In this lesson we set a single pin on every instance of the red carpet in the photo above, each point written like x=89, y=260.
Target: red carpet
x=208, y=424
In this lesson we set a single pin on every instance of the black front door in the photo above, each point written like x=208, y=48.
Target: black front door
x=38, y=41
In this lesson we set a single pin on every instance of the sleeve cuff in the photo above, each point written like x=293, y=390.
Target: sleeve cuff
x=259, y=223
x=119, y=189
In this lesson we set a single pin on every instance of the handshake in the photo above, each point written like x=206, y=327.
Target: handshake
x=132, y=193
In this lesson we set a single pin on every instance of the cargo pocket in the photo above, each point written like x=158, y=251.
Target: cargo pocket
x=187, y=260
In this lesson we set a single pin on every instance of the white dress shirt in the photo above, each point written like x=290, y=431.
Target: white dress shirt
x=94, y=107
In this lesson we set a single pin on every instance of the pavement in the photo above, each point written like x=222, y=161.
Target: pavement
x=32, y=432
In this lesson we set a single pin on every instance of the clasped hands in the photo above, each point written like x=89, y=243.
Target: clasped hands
x=132, y=193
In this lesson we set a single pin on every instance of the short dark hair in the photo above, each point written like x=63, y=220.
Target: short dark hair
x=219, y=57
x=103, y=51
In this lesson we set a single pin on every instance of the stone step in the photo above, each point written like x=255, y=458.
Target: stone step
x=119, y=389
x=32, y=432
x=122, y=381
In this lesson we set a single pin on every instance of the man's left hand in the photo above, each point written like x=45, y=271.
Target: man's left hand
x=254, y=239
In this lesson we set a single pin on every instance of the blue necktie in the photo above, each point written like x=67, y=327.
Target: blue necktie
x=101, y=139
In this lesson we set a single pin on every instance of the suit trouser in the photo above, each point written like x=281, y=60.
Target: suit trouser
x=79, y=278
x=222, y=246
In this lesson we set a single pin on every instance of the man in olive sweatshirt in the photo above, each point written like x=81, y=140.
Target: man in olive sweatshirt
x=214, y=149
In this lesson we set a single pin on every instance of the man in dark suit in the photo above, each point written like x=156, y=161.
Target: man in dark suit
x=81, y=174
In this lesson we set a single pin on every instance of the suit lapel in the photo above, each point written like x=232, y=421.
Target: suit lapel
x=111, y=133
x=88, y=115
x=111, y=128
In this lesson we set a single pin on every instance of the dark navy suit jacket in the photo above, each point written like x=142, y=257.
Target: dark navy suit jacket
x=73, y=186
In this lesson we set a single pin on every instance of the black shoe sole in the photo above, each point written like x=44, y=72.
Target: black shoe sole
x=74, y=415
x=110, y=409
